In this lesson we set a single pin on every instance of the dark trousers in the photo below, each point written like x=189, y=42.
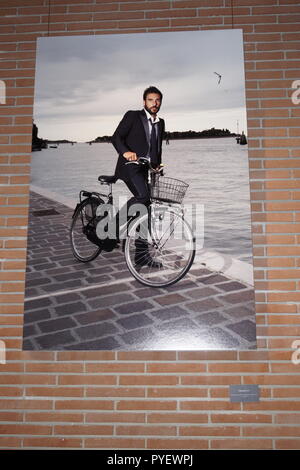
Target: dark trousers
x=138, y=185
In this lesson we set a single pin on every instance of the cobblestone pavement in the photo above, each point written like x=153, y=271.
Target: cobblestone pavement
x=99, y=306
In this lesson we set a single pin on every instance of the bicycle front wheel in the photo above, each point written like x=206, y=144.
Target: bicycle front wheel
x=163, y=253
x=83, y=249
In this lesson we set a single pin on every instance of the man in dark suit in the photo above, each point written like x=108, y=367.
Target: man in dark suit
x=132, y=139
x=139, y=134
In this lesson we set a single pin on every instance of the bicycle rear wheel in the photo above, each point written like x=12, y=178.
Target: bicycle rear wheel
x=163, y=253
x=84, y=217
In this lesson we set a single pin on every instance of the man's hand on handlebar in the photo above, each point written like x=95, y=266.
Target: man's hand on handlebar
x=130, y=156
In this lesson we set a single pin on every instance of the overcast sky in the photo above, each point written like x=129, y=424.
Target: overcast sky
x=84, y=84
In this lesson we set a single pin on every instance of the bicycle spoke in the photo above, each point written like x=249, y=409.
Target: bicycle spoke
x=167, y=257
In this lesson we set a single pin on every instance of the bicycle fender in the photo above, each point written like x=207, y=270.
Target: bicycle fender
x=77, y=205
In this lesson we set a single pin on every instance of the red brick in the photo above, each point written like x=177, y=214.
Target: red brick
x=51, y=417
x=148, y=380
x=83, y=405
x=287, y=444
x=176, y=392
x=240, y=444
x=115, y=392
x=86, y=379
x=177, y=444
x=82, y=430
x=144, y=5
x=146, y=430
x=209, y=431
x=175, y=368
x=85, y=356
x=115, y=417
x=146, y=405
x=146, y=355
x=114, y=443
x=63, y=442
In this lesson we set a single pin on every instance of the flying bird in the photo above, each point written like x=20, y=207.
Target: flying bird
x=220, y=76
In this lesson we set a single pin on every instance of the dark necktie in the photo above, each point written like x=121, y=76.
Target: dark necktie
x=153, y=146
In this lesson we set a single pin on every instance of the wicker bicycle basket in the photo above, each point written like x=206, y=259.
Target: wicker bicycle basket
x=168, y=189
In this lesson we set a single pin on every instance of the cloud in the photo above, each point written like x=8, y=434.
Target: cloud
x=85, y=78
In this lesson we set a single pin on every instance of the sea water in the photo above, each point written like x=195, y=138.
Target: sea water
x=216, y=170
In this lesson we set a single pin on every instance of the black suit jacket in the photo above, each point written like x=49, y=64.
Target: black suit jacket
x=132, y=134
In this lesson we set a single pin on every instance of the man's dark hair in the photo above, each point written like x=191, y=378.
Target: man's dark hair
x=152, y=89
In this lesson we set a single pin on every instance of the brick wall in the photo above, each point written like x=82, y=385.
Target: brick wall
x=176, y=400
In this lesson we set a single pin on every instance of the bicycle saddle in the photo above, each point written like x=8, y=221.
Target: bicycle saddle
x=107, y=179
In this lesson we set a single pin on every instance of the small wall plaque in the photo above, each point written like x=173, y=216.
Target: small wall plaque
x=244, y=393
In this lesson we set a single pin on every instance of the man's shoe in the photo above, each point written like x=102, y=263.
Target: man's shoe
x=109, y=244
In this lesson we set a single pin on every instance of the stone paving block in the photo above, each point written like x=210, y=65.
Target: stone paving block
x=135, y=321
x=245, y=328
x=30, y=330
x=55, y=341
x=68, y=309
x=58, y=287
x=169, y=313
x=210, y=318
x=70, y=262
x=63, y=257
x=66, y=298
x=103, y=279
x=170, y=299
x=68, y=276
x=44, y=267
x=183, y=325
x=31, y=292
x=110, y=300
x=121, y=275
x=37, y=282
x=96, y=330
x=132, y=307
x=201, y=292
x=56, y=325
x=199, y=271
x=37, y=261
x=36, y=315
x=230, y=286
x=32, y=275
x=95, y=317
x=105, y=290
x=204, y=305
x=107, y=343
x=218, y=338
x=37, y=303
x=100, y=270
x=148, y=292
x=214, y=278
x=244, y=310
x=183, y=284
x=239, y=297
x=142, y=338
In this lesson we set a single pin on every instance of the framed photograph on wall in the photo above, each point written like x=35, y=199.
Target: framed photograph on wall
x=113, y=106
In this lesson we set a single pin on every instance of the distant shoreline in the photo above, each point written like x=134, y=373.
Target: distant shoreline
x=107, y=140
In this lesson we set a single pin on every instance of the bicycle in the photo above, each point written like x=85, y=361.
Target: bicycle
x=167, y=246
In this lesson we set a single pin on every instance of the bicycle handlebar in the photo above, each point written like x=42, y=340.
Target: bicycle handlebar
x=146, y=162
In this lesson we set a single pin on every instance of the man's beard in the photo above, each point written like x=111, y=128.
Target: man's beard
x=152, y=112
